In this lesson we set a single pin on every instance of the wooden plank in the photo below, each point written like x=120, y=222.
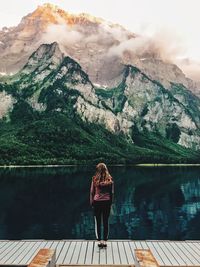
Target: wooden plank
x=5, y=247
x=155, y=252
x=129, y=253
x=132, y=247
x=13, y=254
x=197, y=245
x=143, y=245
x=63, y=252
x=29, y=245
x=48, y=244
x=181, y=255
x=33, y=240
x=17, y=254
x=30, y=255
x=145, y=258
x=116, y=257
x=82, y=253
x=158, y=247
x=168, y=254
x=59, y=249
x=193, y=254
x=45, y=257
x=75, y=256
x=8, y=250
x=96, y=253
x=175, y=254
x=195, y=250
x=137, y=244
x=3, y=243
x=54, y=245
x=122, y=253
x=70, y=252
x=102, y=255
x=109, y=253
x=188, y=257
x=89, y=252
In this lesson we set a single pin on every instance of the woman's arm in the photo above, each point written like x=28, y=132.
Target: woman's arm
x=92, y=192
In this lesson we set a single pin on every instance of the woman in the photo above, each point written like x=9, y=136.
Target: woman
x=101, y=198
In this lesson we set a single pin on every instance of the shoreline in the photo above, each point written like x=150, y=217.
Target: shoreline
x=117, y=165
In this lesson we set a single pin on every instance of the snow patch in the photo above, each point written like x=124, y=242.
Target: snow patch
x=100, y=85
x=3, y=73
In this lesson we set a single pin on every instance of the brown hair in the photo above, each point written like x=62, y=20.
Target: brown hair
x=102, y=175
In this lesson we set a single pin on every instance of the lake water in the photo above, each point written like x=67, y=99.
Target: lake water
x=53, y=203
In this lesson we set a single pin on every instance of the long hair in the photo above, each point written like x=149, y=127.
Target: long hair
x=102, y=175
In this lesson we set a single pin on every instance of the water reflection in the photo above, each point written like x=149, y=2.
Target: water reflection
x=53, y=203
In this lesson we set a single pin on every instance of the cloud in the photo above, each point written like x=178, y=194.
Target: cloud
x=138, y=46
x=113, y=40
x=104, y=33
x=63, y=34
x=116, y=31
x=162, y=45
x=190, y=67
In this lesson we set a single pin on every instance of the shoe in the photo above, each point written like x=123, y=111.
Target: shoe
x=100, y=245
x=104, y=245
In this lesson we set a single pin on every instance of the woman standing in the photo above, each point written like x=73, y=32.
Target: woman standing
x=101, y=198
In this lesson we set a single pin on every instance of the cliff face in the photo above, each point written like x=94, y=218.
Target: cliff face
x=100, y=47
x=50, y=81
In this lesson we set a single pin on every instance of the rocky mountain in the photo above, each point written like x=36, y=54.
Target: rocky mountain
x=100, y=47
x=139, y=107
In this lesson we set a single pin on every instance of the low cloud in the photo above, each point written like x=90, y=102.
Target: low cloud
x=162, y=45
x=63, y=34
x=190, y=67
x=114, y=41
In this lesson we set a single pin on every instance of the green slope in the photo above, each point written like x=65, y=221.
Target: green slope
x=55, y=138
x=59, y=136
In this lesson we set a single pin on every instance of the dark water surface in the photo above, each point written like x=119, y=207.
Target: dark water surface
x=53, y=203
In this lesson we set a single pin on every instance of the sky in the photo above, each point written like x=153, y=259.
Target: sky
x=179, y=19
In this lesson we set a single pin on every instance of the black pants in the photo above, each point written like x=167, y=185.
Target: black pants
x=101, y=211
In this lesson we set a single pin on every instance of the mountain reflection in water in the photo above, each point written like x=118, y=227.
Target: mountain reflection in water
x=53, y=203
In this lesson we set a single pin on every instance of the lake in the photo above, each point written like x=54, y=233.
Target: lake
x=53, y=203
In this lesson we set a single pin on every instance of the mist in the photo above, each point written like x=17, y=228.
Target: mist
x=114, y=41
x=191, y=68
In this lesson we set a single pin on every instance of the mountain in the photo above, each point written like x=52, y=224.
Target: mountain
x=53, y=113
x=100, y=47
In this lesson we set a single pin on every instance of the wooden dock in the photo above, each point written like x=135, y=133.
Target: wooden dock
x=86, y=252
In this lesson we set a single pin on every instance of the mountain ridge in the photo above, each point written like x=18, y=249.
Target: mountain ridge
x=138, y=106
x=92, y=42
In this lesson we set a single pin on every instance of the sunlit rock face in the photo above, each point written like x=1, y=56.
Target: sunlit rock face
x=47, y=56
x=100, y=47
x=6, y=104
x=51, y=81
x=83, y=37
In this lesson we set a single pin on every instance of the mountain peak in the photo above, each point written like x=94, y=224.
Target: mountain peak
x=49, y=6
x=48, y=50
x=46, y=56
x=54, y=14
x=100, y=47
x=42, y=16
